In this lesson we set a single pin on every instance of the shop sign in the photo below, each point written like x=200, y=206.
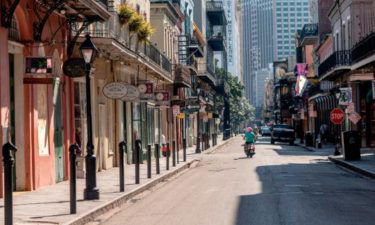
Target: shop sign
x=351, y=108
x=132, y=94
x=146, y=90
x=115, y=90
x=210, y=115
x=74, y=67
x=345, y=96
x=176, y=110
x=38, y=65
x=181, y=116
x=337, y=116
x=355, y=118
x=162, y=98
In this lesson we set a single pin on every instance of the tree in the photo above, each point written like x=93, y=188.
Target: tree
x=241, y=111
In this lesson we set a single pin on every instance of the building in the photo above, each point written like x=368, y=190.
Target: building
x=289, y=16
x=234, y=38
x=260, y=80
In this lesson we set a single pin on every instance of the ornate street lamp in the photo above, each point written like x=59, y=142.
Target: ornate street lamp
x=91, y=192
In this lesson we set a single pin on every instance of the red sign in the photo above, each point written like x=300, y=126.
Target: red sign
x=337, y=116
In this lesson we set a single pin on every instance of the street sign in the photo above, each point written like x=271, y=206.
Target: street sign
x=132, y=94
x=355, y=118
x=115, y=90
x=337, y=116
x=351, y=108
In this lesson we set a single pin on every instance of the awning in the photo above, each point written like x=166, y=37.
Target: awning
x=328, y=102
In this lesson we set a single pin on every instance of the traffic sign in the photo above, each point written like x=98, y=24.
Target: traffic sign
x=337, y=116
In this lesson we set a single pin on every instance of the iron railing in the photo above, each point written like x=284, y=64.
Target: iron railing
x=364, y=48
x=337, y=59
x=215, y=6
x=166, y=63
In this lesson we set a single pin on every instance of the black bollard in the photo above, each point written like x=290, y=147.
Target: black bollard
x=137, y=160
x=213, y=140
x=167, y=156
x=74, y=149
x=178, y=154
x=174, y=153
x=184, y=148
x=157, y=158
x=122, y=150
x=149, y=161
x=8, y=159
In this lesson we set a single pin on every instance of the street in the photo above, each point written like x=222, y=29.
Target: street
x=282, y=184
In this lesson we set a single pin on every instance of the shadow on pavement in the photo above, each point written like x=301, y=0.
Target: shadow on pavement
x=308, y=194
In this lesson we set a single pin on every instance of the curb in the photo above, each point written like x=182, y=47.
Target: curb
x=310, y=149
x=117, y=202
x=352, y=167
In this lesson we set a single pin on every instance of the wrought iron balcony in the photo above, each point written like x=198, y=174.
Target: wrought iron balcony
x=206, y=72
x=222, y=86
x=309, y=34
x=182, y=78
x=217, y=39
x=364, y=48
x=339, y=61
x=216, y=12
x=196, y=47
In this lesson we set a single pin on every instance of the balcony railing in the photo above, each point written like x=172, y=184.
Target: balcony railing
x=215, y=6
x=309, y=33
x=217, y=38
x=364, y=48
x=337, y=60
x=182, y=78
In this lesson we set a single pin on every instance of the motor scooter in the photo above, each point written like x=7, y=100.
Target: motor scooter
x=249, y=150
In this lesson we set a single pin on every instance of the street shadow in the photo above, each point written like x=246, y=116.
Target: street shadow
x=308, y=194
x=295, y=150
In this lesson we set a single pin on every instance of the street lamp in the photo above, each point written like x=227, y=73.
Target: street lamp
x=198, y=147
x=91, y=192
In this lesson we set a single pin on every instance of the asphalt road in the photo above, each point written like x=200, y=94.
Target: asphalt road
x=281, y=185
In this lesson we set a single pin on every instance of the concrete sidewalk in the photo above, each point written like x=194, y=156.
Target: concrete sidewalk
x=365, y=166
x=50, y=205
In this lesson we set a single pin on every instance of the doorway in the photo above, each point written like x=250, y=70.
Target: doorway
x=58, y=133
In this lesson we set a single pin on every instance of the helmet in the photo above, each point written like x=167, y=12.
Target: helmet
x=249, y=129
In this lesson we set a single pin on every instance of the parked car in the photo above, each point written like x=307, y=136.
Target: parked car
x=282, y=133
x=265, y=131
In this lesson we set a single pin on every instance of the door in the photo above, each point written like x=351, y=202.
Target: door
x=58, y=134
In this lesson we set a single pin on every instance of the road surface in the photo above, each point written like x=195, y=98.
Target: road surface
x=281, y=185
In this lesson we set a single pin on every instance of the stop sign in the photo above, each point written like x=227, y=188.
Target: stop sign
x=337, y=116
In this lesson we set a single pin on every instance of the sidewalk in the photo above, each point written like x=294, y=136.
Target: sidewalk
x=326, y=147
x=365, y=166
x=50, y=205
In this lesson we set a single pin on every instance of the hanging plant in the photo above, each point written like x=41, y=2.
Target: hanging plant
x=125, y=13
x=135, y=23
x=145, y=32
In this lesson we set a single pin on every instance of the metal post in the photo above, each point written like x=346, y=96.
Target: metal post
x=198, y=147
x=178, y=153
x=184, y=148
x=213, y=140
x=149, y=161
x=122, y=150
x=157, y=158
x=74, y=149
x=174, y=153
x=167, y=156
x=8, y=159
x=91, y=192
x=137, y=160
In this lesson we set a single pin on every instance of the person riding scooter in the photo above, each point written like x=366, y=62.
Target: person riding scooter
x=249, y=142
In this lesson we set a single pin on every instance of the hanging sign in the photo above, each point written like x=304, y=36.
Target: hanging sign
x=146, y=90
x=345, y=96
x=115, y=90
x=181, y=116
x=351, y=108
x=74, y=67
x=162, y=98
x=132, y=94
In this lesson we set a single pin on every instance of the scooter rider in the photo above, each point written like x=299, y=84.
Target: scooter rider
x=249, y=137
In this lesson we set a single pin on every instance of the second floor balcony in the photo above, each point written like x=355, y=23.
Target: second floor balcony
x=216, y=12
x=182, y=76
x=338, y=62
x=216, y=38
x=363, y=53
x=309, y=34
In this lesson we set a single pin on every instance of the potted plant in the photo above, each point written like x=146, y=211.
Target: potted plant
x=145, y=31
x=135, y=23
x=125, y=13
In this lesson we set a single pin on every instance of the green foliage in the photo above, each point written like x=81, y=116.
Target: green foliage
x=241, y=111
x=135, y=23
x=125, y=13
x=145, y=32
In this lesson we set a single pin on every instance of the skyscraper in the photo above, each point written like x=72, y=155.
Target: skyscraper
x=269, y=29
x=288, y=17
x=233, y=38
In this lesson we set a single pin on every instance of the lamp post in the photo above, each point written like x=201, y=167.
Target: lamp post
x=198, y=147
x=91, y=192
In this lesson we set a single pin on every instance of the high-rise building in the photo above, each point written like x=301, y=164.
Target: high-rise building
x=233, y=38
x=288, y=17
x=257, y=40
